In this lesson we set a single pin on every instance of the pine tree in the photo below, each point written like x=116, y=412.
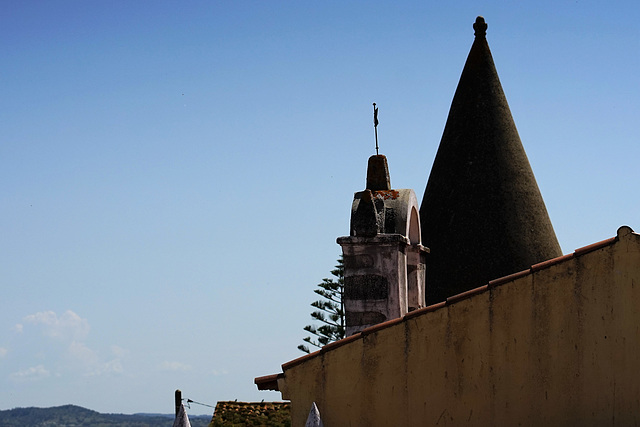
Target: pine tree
x=329, y=311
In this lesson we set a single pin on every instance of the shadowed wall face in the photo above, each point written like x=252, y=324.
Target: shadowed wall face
x=482, y=214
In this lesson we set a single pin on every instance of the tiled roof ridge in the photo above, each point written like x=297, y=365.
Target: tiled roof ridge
x=242, y=403
x=622, y=231
x=230, y=412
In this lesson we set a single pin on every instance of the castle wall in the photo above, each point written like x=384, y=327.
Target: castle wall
x=557, y=346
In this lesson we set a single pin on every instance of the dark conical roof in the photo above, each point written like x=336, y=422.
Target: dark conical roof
x=482, y=213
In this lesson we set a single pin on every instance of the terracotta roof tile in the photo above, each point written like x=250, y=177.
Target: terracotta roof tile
x=553, y=261
x=379, y=326
x=594, y=246
x=423, y=310
x=299, y=360
x=251, y=413
x=509, y=278
x=464, y=295
x=268, y=382
x=340, y=343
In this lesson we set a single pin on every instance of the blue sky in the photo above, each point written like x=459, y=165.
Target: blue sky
x=174, y=175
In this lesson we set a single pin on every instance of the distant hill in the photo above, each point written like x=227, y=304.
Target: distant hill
x=76, y=416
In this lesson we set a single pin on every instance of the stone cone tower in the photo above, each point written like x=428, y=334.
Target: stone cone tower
x=482, y=213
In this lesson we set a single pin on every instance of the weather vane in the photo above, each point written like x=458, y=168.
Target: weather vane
x=375, y=124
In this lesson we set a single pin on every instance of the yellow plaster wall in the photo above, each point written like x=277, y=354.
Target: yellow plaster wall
x=560, y=346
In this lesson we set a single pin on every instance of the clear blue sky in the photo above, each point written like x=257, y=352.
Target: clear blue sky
x=175, y=174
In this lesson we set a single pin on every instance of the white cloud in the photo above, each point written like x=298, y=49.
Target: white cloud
x=68, y=326
x=113, y=366
x=92, y=364
x=30, y=374
x=3, y=352
x=217, y=373
x=83, y=354
x=174, y=366
x=68, y=351
x=118, y=351
x=19, y=328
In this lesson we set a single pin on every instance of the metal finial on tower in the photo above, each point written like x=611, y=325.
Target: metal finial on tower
x=375, y=124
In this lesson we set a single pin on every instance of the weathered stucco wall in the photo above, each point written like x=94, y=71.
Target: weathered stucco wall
x=557, y=346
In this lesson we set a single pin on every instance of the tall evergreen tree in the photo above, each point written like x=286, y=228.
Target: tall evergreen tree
x=329, y=311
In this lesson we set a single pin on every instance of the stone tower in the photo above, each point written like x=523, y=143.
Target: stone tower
x=384, y=260
x=482, y=213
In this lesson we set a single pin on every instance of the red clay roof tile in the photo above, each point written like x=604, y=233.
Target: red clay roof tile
x=299, y=360
x=251, y=413
x=549, y=263
x=464, y=295
x=268, y=382
x=427, y=309
x=340, y=343
x=510, y=278
x=379, y=326
x=594, y=246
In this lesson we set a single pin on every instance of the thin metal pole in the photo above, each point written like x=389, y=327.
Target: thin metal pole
x=376, y=140
x=375, y=124
x=178, y=401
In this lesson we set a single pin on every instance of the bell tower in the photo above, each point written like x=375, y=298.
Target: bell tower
x=384, y=260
